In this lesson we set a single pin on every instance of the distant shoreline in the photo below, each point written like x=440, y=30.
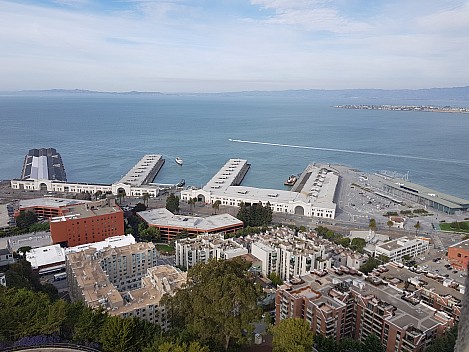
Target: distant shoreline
x=424, y=108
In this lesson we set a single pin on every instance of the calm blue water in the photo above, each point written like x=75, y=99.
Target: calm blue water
x=101, y=137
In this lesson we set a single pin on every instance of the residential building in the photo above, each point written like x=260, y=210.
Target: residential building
x=312, y=195
x=124, y=281
x=190, y=251
x=6, y=257
x=86, y=223
x=458, y=255
x=396, y=249
x=341, y=304
x=171, y=225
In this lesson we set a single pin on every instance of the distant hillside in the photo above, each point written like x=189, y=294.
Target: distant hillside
x=448, y=94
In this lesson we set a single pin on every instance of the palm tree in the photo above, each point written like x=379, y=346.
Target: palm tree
x=121, y=194
x=191, y=202
x=390, y=223
x=372, y=225
x=417, y=227
x=216, y=205
x=145, y=197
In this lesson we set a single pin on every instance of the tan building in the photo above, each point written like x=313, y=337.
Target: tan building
x=124, y=281
x=342, y=304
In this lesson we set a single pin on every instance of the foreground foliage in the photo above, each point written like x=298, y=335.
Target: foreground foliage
x=292, y=335
x=218, y=305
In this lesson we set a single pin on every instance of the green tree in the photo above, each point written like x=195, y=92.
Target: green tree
x=255, y=214
x=358, y=244
x=372, y=225
x=275, y=278
x=121, y=194
x=390, y=223
x=344, y=241
x=139, y=207
x=119, y=335
x=372, y=343
x=218, y=305
x=191, y=202
x=292, y=335
x=26, y=219
x=216, y=205
x=172, y=203
x=370, y=264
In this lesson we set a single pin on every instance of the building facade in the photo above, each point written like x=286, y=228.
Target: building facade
x=190, y=251
x=395, y=250
x=87, y=223
x=171, y=225
x=124, y=281
x=458, y=255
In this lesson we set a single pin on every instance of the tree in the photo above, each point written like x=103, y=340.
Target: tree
x=121, y=194
x=370, y=264
x=417, y=227
x=372, y=225
x=120, y=335
x=191, y=202
x=275, y=278
x=358, y=244
x=390, y=223
x=169, y=346
x=216, y=205
x=139, y=207
x=218, y=305
x=372, y=343
x=255, y=214
x=145, y=198
x=344, y=241
x=292, y=335
x=172, y=203
x=26, y=219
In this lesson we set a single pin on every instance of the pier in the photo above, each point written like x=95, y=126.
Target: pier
x=144, y=171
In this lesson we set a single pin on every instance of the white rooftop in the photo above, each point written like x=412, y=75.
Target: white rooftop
x=163, y=217
x=318, y=188
x=42, y=256
x=137, y=175
x=114, y=242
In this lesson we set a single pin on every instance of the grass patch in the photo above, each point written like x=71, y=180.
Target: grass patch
x=455, y=226
x=165, y=248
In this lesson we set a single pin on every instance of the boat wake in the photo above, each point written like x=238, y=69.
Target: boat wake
x=452, y=161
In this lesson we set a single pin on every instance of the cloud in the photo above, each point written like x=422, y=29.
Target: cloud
x=266, y=44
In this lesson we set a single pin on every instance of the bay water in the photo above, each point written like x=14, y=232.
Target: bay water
x=100, y=137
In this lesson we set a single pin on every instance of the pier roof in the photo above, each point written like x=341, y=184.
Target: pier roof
x=141, y=172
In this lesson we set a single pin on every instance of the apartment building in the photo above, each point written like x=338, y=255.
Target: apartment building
x=125, y=281
x=458, y=255
x=396, y=249
x=190, y=251
x=87, y=223
x=340, y=304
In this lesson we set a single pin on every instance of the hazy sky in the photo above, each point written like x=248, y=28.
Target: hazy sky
x=232, y=45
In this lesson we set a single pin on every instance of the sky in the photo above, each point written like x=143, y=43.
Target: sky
x=233, y=45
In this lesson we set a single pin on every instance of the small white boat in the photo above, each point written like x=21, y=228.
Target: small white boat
x=179, y=161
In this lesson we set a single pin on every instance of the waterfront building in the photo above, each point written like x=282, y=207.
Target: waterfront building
x=425, y=196
x=312, y=195
x=396, y=249
x=136, y=182
x=124, y=281
x=171, y=225
x=43, y=163
x=190, y=251
x=341, y=304
x=458, y=255
x=86, y=223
